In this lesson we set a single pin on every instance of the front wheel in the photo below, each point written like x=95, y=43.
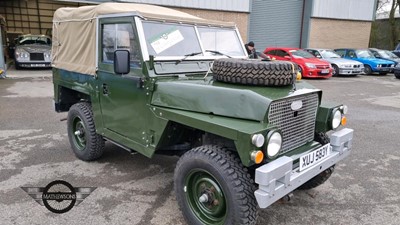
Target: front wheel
x=213, y=187
x=335, y=71
x=367, y=69
x=85, y=142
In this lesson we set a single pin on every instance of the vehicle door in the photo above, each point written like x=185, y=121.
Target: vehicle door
x=122, y=97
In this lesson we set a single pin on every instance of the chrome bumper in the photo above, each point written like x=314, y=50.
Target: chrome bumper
x=277, y=178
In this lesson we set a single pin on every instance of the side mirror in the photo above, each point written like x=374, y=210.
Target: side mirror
x=121, y=62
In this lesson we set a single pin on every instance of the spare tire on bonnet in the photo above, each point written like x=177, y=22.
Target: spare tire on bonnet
x=254, y=72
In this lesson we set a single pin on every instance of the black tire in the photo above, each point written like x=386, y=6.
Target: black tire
x=87, y=145
x=324, y=175
x=367, y=69
x=335, y=70
x=208, y=170
x=397, y=75
x=254, y=72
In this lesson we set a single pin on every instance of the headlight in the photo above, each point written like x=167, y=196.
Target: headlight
x=47, y=54
x=398, y=65
x=311, y=66
x=379, y=65
x=336, y=118
x=274, y=143
x=21, y=54
x=392, y=65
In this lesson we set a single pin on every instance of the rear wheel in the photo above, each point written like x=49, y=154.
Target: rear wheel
x=213, y=187
x=85, y=142
x=367, y=69
x=324, y=176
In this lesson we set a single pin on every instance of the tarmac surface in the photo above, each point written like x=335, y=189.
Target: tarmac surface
x=132, y=189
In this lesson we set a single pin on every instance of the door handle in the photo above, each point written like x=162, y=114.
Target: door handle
x=105, y=89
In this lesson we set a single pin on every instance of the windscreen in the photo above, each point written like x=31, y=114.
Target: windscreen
x=364, y=54
x=301, y=54
x=329, y=54
x=170, y=39
x=28, y=40
x=225, y=41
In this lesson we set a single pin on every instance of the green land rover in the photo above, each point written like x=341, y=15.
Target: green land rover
x=158, y=81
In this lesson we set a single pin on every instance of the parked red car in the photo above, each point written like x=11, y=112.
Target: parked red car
x=309, y=65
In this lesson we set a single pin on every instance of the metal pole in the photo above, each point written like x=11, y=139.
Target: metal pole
x=2, y=63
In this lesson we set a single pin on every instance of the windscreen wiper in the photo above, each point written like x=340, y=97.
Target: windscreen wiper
x=191, y=54
x=218, y=53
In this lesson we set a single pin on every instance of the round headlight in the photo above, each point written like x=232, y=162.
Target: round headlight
x=258, y=140
x=274, y=144
x=336, y=119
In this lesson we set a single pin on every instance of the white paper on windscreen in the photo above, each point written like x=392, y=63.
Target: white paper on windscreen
x=166, y=41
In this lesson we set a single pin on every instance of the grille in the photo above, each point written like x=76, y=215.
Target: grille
x=36, y=56
x=322, y=66
x=297, y=127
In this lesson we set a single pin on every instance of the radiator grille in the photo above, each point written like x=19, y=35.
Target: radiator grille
x=297, y=127
x=36, y=56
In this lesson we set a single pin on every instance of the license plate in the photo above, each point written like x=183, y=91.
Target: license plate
x=324, y=71
x=38, y=65
x=385, y=69
x=314, y=157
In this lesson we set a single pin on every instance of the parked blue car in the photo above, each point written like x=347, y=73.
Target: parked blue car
x=386, y=55
x=371, y=63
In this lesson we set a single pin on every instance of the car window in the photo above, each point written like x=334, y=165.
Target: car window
x=271, y=52
x=281, y=53
x=382, y=53
x=119, y=37
x=341, y=52
x=351, y=54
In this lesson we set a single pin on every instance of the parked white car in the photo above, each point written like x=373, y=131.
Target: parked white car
x=340, y=65
x=33, y=51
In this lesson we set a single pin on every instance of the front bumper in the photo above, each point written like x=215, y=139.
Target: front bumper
x=350, y=71
x=278, y=178
x=383, y=69
x=318, y=73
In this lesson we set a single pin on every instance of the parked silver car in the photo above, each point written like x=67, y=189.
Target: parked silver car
x=340, y=65
x=33, y=51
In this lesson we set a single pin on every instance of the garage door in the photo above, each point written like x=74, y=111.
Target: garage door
x=275, y=23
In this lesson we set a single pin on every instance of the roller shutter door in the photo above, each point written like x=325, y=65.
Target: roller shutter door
x=275, y=23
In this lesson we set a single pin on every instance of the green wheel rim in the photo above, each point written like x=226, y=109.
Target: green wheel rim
x=79, y=133
x=205, y=197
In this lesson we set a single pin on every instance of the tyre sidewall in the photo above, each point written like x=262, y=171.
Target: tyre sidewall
x=185, y=170
x=73, y=113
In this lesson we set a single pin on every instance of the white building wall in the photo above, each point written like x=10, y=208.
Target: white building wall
x=344, y=9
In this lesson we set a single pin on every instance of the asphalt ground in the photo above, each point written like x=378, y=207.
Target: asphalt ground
x=132, y=189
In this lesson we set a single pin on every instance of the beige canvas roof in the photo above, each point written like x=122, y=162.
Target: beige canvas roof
x=74, y=31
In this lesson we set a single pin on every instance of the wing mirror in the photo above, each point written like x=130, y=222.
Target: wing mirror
x=121, y=62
